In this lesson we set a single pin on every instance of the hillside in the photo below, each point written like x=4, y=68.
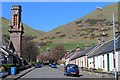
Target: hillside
x=27, y=29
x=86, y=29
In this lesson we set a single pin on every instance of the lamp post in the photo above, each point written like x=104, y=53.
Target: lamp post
x=113, y=21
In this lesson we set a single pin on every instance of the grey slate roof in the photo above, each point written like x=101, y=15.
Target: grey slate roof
x=105, y=48
x=8, y=53
x=83, y=53
x=71, y=53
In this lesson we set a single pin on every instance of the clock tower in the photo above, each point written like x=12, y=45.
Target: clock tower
x=16, y=29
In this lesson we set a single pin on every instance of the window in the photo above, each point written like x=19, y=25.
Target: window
x=114, y=60
x=103, y=62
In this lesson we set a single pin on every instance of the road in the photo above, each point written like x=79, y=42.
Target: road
x=47, y=72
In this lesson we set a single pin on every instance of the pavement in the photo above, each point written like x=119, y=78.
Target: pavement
x=3, y=74
x=17, y=76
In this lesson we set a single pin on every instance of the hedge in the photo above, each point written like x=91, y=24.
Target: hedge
x=7, y=66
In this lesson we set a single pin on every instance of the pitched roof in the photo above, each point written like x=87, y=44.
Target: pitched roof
x=83, y=53
x=7, y=52
x=105, y=48
x=72, y=52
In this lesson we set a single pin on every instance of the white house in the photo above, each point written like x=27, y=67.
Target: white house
x=104, y=57
x=81, y=57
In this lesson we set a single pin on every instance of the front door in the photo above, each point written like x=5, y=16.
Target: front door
x=108, y=64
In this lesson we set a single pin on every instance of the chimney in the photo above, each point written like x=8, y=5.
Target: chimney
x=77, y=49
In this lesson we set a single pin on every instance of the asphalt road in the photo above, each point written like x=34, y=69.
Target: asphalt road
x=46, y=72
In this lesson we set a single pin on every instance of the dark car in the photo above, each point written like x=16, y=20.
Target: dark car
x=71, y=69
x=53, y=65
x=37, y=65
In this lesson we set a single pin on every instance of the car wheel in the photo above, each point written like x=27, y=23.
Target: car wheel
x=65, y=74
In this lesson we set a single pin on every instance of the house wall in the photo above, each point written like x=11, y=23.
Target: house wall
x=90, y=63
x=99, y=62
x=73, y=62
x=111, y=59
x=67, y=61
x=84, y=61
x=105, y=61
x=77, y=61
x=118, y=60
x=96, y=62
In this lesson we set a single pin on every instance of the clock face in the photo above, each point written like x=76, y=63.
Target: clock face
x=16, y=11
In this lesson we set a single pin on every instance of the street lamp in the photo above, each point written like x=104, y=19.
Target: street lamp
x=113, y=20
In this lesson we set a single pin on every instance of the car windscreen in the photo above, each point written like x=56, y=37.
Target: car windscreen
x=73, y=66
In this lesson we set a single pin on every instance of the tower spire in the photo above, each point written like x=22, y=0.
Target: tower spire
x=16, y=29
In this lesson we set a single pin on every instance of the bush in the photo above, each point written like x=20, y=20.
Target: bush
x=38, y=63
x=2, y=68
x=61, y=62
x=99, y=69
x=7, y=66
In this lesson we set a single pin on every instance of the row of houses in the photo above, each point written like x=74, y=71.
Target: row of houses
x=100, y=56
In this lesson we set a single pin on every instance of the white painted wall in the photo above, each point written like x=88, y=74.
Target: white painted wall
x=111, y=61
x=90, y=62
x=96, y=62
x=100, y=61
x=118, y=60
x=77, y=61
x=67, y=61
x=105, y=60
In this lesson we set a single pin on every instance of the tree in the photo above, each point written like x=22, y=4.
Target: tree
x=43, y=57
x=29, y=49
x=57, y=53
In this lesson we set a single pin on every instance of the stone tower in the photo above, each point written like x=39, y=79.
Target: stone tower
x=16, y=29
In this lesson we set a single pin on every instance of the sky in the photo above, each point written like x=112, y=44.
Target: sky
x=46, y=16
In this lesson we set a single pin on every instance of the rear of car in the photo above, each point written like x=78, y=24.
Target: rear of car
x=71, y=69
x=53, y=66
x=37, y=65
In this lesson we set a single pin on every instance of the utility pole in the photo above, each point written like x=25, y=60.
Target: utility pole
x=114, y=45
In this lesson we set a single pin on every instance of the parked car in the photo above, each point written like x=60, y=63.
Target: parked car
x=37, y=65
x=53, y=65
x=71, y=69
x=50, y=64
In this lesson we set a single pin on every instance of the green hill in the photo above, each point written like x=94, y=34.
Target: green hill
x=27, y=29
x=86, y=29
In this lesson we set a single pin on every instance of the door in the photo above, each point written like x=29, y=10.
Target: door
x=108, y=64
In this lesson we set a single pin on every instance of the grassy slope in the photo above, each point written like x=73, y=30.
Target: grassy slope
x=69, y=29
x=70, y=41
x=27, y=29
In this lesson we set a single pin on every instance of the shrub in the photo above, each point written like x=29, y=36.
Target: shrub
x=61, y=62
x=2, y=68
x=99, y=69
x=7, y=66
